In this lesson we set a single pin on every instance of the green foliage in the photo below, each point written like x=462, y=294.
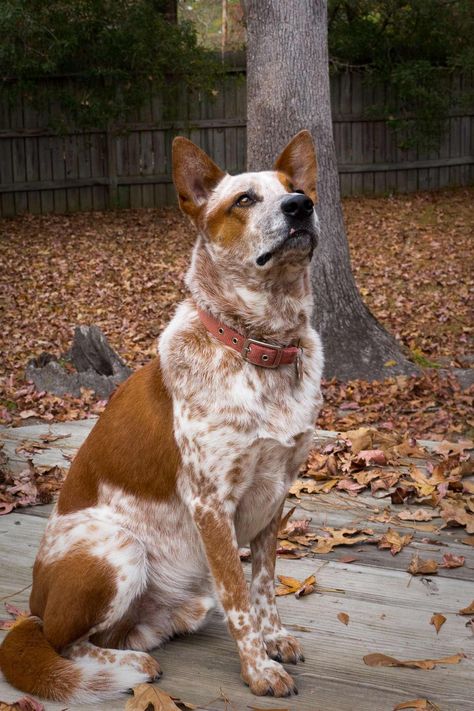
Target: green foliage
x=412, y=47
x=112, y=51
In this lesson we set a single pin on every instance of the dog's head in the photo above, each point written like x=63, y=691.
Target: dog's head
x=257, y=220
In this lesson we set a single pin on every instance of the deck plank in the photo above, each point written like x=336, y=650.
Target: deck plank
x=388, y=614
x=389, y=610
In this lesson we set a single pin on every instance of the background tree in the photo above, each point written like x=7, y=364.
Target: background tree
x=101, y=58
x=288, y=89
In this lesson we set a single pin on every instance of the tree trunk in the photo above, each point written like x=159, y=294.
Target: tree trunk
x=170, y=10
x=288, y=90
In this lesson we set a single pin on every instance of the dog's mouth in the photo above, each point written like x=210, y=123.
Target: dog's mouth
x=297, y=240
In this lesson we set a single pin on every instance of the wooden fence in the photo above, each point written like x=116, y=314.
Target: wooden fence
x=129, y=166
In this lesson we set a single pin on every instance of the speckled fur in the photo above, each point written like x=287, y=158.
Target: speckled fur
x=241, y=434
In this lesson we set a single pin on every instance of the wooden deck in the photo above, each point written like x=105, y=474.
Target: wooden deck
x=389, y=612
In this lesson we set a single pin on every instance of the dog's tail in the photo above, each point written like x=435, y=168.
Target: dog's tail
x=31, y=664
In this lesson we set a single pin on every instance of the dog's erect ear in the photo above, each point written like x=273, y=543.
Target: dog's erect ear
x=195, y=175
x=298, y=163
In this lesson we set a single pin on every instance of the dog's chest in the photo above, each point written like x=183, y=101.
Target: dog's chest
x=270, y=467
x=246, y=435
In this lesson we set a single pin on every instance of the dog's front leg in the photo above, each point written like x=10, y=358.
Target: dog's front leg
x=279, y=643
x=216, y=527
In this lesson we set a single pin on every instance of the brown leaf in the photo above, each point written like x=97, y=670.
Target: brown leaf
x=16, y=613
x=352, y=487
x=382, y=660
x=343, y=617
x=452, y=561
x=338, y=537
x=469, y=610
x=422, y=704
x=292, y=585
x=308, y=586
x=437, y=620
x=372, y=457
x=150, y=698
x=393, y=540
x=418, y=515
x=348, y=559
x=286, y=518
x=446, y=448
x=455, y=514
x=419, y=566
x=360, y=439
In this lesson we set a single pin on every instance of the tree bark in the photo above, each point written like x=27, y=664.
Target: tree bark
x=288, y=90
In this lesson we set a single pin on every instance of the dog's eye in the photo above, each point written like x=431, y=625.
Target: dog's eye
x=244, y=201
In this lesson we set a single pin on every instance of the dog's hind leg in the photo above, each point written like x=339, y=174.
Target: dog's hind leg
x=151, y=622
x=84, y=586
x=106, y=670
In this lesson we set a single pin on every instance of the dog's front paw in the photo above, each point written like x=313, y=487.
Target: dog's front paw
x=269, y=679
x=284, y=647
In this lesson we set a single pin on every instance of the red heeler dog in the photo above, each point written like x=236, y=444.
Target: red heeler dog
x=192, y=457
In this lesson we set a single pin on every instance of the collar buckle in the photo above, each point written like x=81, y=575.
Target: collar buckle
x=246, y=349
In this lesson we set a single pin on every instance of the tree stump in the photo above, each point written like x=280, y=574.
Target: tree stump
x=97, y=367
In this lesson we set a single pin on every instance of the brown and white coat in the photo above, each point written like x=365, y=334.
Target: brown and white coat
x=192, y=458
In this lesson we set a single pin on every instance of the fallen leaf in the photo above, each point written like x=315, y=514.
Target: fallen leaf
x=25, y=414
x=454, y=513
x=468, y=541
x=338, y=537
x=352, y=487
x=50, y=437
x=360, y=439
x=382, y=660
x=417, y=704
x=286, y=518
x=437, y=620
x=446, y=448
x=343, y=617
x=391, y=539
x=292, y=585
x=347, y=559
x=16, y=613
x=288, y=585
x=307, y=587
x=184, y=705
x=469, y=610
x=418, y=515
x=419, y=566
x=452, y=561
x=150, y=698
x=372, y=456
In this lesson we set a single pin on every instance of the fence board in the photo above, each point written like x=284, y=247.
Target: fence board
x=130, y=165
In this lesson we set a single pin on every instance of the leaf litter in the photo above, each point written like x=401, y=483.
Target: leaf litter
x=123, y=271
x=32, y=486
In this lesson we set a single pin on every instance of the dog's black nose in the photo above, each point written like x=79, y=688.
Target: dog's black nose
x=296, y=205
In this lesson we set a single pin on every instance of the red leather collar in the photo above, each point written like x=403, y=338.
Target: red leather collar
x=256, y=352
